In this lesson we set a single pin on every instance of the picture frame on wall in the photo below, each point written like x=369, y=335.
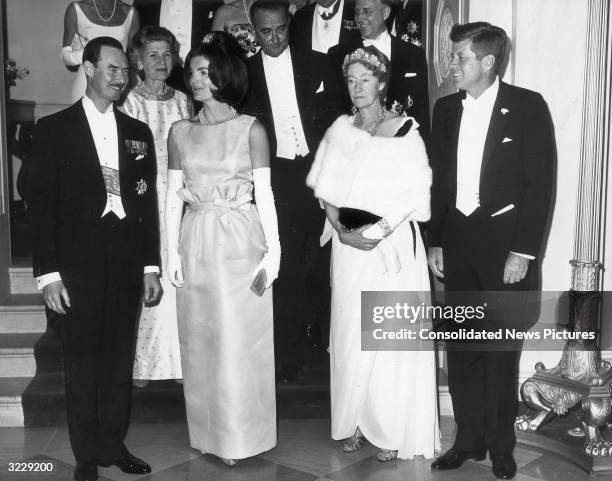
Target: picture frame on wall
x=441, y=15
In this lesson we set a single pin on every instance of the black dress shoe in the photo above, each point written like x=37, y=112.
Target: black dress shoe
x=504, y=466
x=86, y=472
x=130, y=464
x=453, y=458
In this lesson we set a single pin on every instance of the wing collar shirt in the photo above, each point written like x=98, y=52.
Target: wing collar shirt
x=290, y=138
x=176, y=16
x=103, y=127
x=326, y=33
x=472, y=135
x=382, y=43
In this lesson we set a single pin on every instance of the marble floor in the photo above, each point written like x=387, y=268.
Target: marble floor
x=305, y=452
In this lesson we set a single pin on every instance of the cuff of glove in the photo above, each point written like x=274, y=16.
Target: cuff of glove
x=379, y=231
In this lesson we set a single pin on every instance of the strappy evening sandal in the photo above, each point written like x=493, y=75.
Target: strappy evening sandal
x=384, y=455
x=229, y=462
x=354, y=443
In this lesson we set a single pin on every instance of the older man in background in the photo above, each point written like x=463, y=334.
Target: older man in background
x=324, y=24
x=292, y=91
x=408, y=87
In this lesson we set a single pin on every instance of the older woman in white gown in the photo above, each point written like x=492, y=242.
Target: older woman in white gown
x=375, y=161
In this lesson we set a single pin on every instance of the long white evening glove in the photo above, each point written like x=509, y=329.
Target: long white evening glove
x=71, y=58
x=267, y=214
x=174, y=209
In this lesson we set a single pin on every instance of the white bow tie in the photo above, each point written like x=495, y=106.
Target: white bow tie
x=382, y=43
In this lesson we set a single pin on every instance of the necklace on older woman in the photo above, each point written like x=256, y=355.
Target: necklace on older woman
x=205, y=122
x=358, y=122
x=150, y=93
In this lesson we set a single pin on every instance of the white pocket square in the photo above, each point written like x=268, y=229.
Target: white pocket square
x=140, y=156
x=320, y=89
x=410, y=74
x=506, y=139
x=501, y=211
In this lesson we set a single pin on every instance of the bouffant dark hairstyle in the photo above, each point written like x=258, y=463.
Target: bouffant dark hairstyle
x=226, y=69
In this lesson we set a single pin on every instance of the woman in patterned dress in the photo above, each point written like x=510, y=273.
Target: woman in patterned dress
x=233, y=17
x=152, y=55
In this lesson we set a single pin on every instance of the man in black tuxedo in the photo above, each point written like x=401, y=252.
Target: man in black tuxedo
x=292, y=92
x=323, y=24
x=408, y=87
x=93, y=206
x=492, y=154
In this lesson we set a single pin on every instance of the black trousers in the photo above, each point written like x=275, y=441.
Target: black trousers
x=483, y=377
x=298, y=291
x=98, y=338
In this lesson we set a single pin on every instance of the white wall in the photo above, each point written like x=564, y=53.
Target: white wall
x=34, y=37
x=550, y=59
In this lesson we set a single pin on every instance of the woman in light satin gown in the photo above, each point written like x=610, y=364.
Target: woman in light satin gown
x=375, y=161
x=216, y=160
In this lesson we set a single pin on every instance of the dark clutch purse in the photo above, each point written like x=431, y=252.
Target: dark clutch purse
x=356, y=218
x=259, y=283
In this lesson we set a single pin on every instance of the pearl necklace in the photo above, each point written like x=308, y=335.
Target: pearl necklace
x=159, y=94
x=372, y=130
x=205, y=122
x=111, y=15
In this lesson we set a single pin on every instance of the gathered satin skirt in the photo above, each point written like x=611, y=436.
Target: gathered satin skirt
x=226, y=332
x=390, y=395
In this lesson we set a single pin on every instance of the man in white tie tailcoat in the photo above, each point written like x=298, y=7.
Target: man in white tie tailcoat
x=492, y=154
